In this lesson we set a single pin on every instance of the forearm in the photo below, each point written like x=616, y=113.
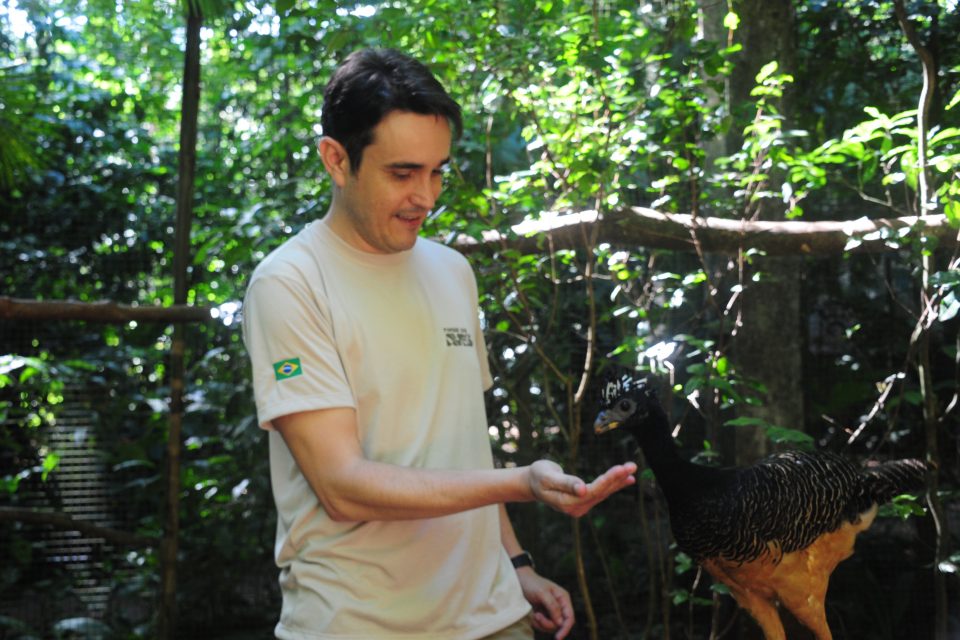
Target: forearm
x=354, y=488
x=369, y=490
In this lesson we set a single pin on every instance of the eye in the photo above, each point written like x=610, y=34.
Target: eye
x=625, y=405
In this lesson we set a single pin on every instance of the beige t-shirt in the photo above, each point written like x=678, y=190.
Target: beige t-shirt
x=398, y=338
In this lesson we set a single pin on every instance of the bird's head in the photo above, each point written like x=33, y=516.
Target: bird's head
x=625, y=401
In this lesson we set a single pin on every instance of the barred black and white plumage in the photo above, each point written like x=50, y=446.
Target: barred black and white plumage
x=787, y=519
x=784, y=502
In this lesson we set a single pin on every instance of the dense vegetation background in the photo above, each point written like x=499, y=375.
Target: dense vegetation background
x=747, y=110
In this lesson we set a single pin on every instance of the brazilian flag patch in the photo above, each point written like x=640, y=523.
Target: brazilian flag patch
x=286, y=369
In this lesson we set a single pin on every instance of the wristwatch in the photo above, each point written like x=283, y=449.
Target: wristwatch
x=522, y=559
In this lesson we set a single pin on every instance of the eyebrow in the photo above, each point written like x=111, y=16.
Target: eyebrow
x=415, y=165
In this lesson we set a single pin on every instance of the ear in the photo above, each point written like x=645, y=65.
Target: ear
x=335, y=159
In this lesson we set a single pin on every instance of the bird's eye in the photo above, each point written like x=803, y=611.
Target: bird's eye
x=625, y=405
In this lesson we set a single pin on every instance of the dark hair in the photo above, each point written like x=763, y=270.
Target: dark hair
x=370, y=84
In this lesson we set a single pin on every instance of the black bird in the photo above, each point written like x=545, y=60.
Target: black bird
x=772, y=532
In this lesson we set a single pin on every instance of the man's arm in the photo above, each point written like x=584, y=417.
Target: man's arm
x=326, y=447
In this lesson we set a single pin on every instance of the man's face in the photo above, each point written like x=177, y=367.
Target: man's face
x=383, y=205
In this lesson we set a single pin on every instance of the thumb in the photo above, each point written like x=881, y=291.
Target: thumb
x=573, y=485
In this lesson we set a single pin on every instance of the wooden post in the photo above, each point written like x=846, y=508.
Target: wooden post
x=167, y=622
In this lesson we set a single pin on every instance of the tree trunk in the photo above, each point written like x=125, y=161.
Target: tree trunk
x=768, y=346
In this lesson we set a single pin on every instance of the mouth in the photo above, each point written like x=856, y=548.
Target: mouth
x=410, y=219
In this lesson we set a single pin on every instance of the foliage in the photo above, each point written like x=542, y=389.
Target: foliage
x=569, y=107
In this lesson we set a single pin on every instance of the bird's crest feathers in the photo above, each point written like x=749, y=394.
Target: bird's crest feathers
x=619, y=383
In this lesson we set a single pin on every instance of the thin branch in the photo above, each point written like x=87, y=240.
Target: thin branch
x=639, y=226
x=104, y=311
x=921, y=337
x=66, y=522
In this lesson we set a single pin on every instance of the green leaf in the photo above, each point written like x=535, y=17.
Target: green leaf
x=50, y=462
x=781, y=435
x=954, y=101
x=949, y=307
x=684, y=563
x=945, y=278
x=767, y=70
x=902, y=507
x=721, y=365
x=731, y=21
x=746, y=421
x=945, y=135
x=952, y=211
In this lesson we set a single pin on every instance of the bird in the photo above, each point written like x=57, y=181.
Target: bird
x=772, y=532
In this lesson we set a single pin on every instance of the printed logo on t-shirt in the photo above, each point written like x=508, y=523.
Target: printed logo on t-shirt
x=458, y=337
x=289, y=368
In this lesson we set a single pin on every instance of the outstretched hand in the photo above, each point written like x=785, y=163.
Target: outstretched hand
x=571, y=495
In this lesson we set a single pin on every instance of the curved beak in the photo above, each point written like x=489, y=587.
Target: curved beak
x=604, y=423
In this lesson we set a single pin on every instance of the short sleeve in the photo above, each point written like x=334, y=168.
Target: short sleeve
x=289, y=337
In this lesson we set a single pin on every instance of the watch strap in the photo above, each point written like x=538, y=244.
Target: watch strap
x=522, y=559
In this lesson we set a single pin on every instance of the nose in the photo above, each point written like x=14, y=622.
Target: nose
x=425, y=192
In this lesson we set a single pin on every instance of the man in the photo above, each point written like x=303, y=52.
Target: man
x=369, y=368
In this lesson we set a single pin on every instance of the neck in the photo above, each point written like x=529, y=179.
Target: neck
x=338, y=222
x=661, y=453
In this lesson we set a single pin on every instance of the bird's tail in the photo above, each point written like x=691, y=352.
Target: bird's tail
x=889, y=479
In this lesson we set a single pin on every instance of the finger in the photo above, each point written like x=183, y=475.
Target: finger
x=565, y=629
x=623, y=473
x=622, y=470
x=631, y=467
x=557, y=604
x=613, y=479
x=568, y=618
x=543, y=623
x=601, y=489
x=587, y=496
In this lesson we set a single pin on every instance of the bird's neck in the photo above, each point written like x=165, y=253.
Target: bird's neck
x=661, y=453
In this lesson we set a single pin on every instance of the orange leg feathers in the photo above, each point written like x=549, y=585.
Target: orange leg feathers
x=798, y=581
